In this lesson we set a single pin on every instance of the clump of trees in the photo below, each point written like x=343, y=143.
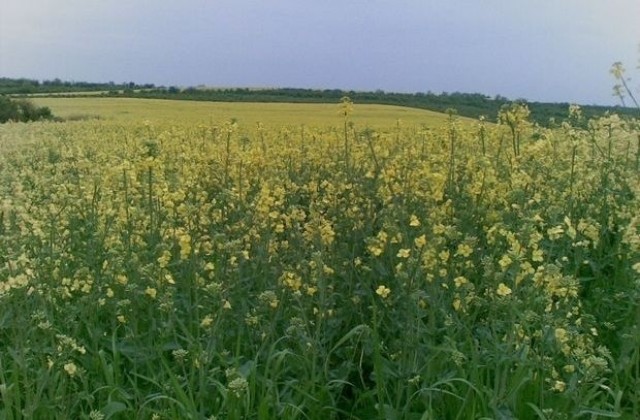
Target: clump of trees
x=22, y=110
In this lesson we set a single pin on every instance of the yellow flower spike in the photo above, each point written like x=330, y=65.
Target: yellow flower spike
x=414, y=221
x=185, y=246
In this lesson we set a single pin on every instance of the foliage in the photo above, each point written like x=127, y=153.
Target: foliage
x=9, y=86
x=172, y=270
x=22, y=110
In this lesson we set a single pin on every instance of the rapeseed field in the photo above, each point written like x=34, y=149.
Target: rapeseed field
x=167, y=269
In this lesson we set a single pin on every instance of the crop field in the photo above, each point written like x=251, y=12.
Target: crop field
x=271, y=115
x=263, y=261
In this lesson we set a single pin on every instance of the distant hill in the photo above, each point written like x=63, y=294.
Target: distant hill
x=471, y=105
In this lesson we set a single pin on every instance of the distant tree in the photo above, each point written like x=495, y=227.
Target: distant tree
x=8, y=109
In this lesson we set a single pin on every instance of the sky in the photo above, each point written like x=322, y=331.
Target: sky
x=539, y=50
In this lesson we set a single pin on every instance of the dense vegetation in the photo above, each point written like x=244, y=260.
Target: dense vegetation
x=174, y=270
x=23, y=86
x=22, y=110
x=471, y=105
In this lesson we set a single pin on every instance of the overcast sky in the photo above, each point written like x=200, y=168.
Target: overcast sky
x=543, y=50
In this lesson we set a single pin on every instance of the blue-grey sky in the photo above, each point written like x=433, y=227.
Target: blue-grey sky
x=543, y=50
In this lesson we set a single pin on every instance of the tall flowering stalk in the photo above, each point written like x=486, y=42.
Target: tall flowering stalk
x=346, y=109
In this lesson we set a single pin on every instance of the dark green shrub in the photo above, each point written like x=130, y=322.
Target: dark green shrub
x=22, y=110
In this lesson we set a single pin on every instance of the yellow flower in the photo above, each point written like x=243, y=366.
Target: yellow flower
x=414, y=221
x=561, y=335
x=169, y=279
x=404, y=253
x=291, y=280
x=537, y=255
x=164, y=259
x=70, y=368
x=503, y=290
x=383, y=291
x=505, y=261
x=151, y=292
x=206, y=321
x=185, y=246
x=559, y=386
x=464, y=250
x=460, y=281
x=327, y=234
x=457, y=303
x=420, y=241
x=555, y=232
x=375, y=250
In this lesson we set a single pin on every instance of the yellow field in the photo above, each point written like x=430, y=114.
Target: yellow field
x=247, y=114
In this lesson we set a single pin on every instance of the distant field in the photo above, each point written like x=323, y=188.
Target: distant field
x=247, y=114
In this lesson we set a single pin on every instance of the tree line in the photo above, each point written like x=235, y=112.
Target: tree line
x=473, y=105
x=24, y=86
